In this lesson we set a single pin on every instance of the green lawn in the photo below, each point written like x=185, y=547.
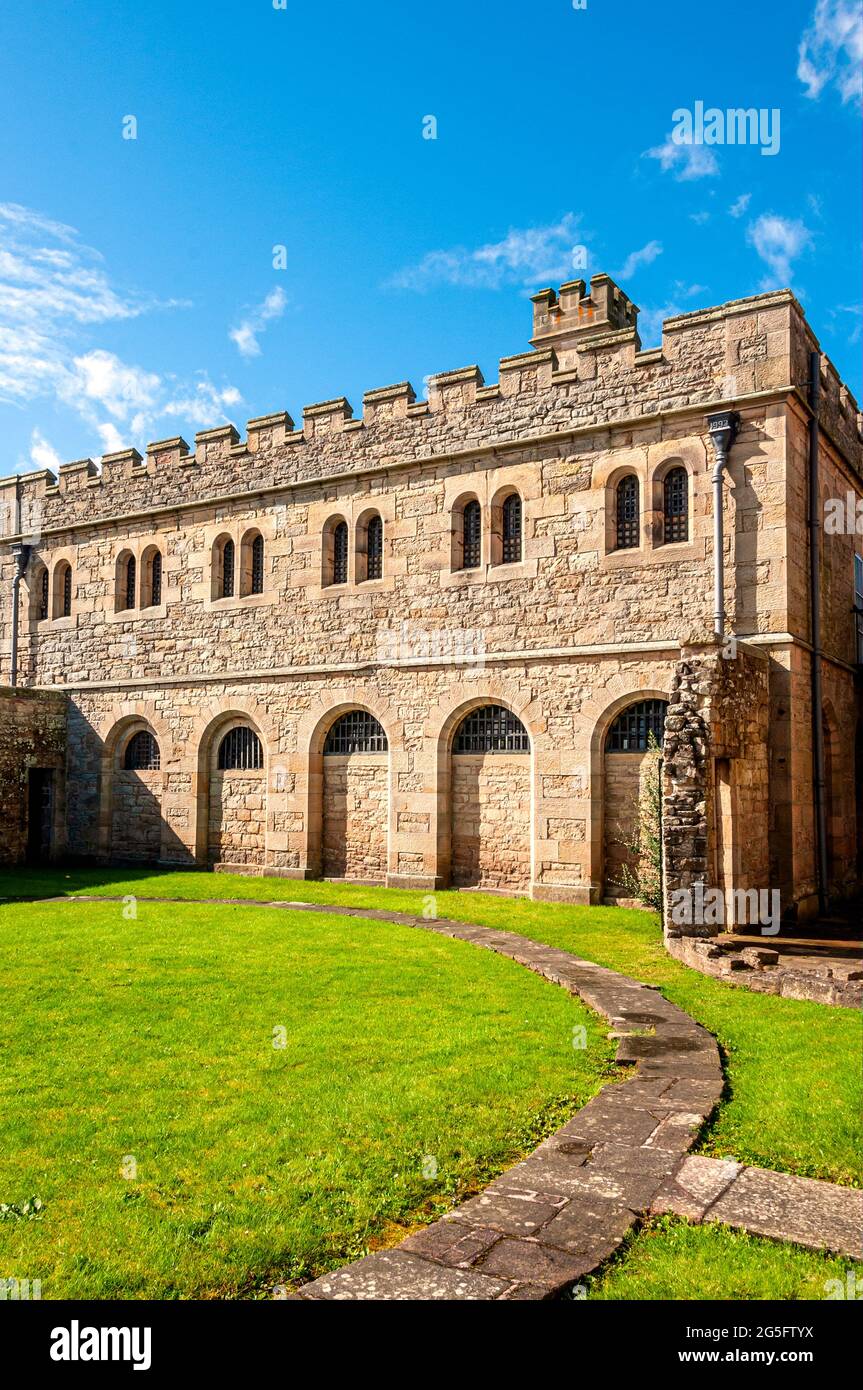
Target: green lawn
x=413, y=1068
x=414, y=1047
x=669, y=1259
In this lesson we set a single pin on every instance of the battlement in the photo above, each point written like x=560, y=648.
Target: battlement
x=585, y=366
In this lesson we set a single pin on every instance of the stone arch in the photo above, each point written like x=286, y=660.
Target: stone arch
x=131, y=823
x=349, y=798
x=609, y=791
x=491, y=794
x=231, y=804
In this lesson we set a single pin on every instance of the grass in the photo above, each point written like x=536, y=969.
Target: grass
x=794, y=1092
x=669, y=1259
x=177, y=1152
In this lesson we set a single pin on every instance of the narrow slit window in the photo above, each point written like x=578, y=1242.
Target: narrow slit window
x=43, y=595
x=228, y=569
x=512, y=529
x=375, y=548
x=156, y=579
x=340, y=553
x=129, y=596
x=675, y=492
x=627, y=513
x=67, y=592
x=258, y=565
x=472, y=530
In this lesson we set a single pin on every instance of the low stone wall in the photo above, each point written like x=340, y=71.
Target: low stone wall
x=765, y=970
x=32, y=737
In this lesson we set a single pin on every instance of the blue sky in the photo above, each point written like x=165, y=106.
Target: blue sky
x=138, y=293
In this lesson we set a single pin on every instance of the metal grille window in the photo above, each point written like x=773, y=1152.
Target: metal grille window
x=340, y=553
x=228, y=569
x=129, y=594
x=631, y=730
x=142, y=753
x=512, y=529
x=675, y=493
x=627, y=513
x=156, y=579
x=472, y=535
x=356, y=732
x=491, y=729
x=240, y=750
x=66, y=593
x=375, y=548
x=258, y=565
x=43, y=595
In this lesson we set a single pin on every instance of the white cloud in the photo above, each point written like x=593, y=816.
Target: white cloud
x=54, y=293
x=245, y=335
x=779, y=241
x=699, y=217
x=687, y=160
x=831, y=50
x=646, y=256
x=43, y=454
x=528, y=256
x=650, y=322
x=740, y=205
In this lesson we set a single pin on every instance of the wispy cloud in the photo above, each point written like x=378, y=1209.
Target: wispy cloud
x=645, y=256
x=528, y=256
x=55, y=293
x=831, y=50
x=650, y=322
x=43, y=454
x=687, y=160
x=245, y=335
x=739, y=206
x=779, y=241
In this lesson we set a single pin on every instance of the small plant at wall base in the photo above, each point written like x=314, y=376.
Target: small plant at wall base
x=642, y=877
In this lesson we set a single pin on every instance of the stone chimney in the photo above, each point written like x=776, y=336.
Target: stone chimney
x=568, y=319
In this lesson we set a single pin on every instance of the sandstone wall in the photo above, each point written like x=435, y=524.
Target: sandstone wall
x=355, y=816
x=491, y=837
x=32, y=736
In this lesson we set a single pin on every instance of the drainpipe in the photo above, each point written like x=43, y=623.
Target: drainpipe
x=20, y=554
x=722, y=427
x=818, y=777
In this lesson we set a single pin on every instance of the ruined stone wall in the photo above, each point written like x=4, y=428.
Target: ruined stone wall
x=32, y=735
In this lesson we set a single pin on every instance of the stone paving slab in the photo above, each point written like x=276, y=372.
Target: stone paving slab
x=820, y=1215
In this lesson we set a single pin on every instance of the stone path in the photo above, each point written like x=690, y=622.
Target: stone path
x=555, y=1217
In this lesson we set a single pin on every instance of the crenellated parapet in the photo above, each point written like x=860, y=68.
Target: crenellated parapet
x=585, y=366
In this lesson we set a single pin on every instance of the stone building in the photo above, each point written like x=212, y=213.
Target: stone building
x=425, y=646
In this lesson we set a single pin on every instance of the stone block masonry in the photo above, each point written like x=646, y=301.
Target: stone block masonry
x=372, y=565
x=32, y=768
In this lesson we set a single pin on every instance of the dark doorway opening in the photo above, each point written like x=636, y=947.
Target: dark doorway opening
x=40, y=814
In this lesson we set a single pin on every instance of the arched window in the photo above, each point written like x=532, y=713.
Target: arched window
x=631, y=730
x=356, y=732
x=228, y=569
x=375, y=548
x=257, y=585
x=675, y=506
x=128, y=590
x=627, y=519
x=63, y=590
x=142, y=753
x=511, y=526
x=472, y=535
x=42, y=594
x=151, y=573
x=491, y=729
x=340, y=553
x=240, y=750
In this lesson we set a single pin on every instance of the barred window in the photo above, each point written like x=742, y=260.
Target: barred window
x=356, y=732
x=258, y=565
x=340, y=553
x=142, y=753
x=675, y=493
x=472, y=535
x=240, y=750
x=129, y=594
x=512, y=529
x=631, y=730
x=491, y=729
x=228, y=569
x=375, y=548
x=43, y=595
x=627, y=513
x=64, y=591
x=156, y=579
